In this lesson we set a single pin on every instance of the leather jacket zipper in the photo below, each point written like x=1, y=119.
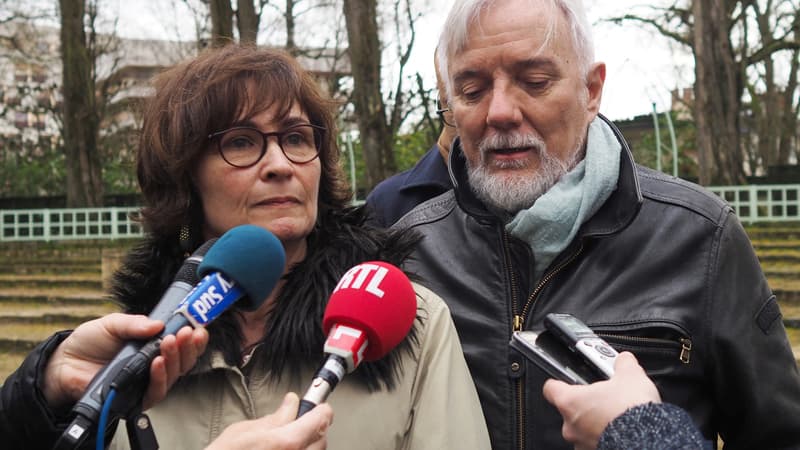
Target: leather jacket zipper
x=546, y=279
x=519, y=320
x=516, y=325
x=683, y=342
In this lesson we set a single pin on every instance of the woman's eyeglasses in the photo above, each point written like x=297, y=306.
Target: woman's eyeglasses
x=245, y=146
x=440, y=112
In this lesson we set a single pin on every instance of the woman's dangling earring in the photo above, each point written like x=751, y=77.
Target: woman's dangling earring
x=185, y=240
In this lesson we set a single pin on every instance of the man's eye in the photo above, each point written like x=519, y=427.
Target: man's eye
x=536, y=85
x=471, y=94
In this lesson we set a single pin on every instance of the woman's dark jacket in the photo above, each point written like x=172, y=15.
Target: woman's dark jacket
x=664, y=269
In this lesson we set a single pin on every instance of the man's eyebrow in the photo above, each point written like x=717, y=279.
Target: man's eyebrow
x=536, y=63
x=546, y=64
x=466, y=74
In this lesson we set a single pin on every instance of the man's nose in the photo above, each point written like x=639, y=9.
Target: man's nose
x=504, y=111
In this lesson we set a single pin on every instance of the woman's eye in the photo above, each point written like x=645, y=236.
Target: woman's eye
x=239, y=142
x=294, y=139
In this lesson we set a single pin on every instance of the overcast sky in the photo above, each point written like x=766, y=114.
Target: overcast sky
x=641, y=66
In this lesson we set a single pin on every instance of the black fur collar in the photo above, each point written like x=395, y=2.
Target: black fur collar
x=294, y=337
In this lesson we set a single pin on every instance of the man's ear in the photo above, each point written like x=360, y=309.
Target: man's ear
x=595, y=80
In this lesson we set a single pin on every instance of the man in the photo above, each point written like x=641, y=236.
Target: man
x=398, y=194
x=549, y=213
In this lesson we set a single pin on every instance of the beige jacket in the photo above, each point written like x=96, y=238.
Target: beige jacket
x=434, y=406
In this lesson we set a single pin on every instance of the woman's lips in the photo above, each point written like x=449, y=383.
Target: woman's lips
x=279, y=201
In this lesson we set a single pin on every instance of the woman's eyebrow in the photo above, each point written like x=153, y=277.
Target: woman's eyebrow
x=247, y=122
x=293, y=120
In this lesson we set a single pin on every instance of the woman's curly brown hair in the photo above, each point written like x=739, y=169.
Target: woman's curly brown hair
x=207, y=94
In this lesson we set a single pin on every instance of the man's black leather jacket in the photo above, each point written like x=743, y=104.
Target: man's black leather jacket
x=664, y=269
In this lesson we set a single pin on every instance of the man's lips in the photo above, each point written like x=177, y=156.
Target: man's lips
x=510, y=152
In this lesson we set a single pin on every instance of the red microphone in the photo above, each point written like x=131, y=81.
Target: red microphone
x=370, y=311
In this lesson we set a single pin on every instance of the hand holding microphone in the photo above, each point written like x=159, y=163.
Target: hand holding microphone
x=93, y=344
x=279, y=430
x=97, y=345
x=245, y=261
x=370, y=311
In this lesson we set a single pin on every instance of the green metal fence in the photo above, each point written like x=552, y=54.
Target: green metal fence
x=762, y=203
x=68, y=223
x=756, y=203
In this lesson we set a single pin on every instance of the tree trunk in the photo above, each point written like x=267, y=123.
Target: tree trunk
x=789, y=124
x=221, y=22
x=291, y=45
x=247, y=20
x=718, y=93
x=81, y=121
x=365, y=62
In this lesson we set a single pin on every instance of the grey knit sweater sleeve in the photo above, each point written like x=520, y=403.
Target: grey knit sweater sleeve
x=661, y=426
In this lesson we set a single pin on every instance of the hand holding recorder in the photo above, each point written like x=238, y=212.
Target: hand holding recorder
x=587, y=410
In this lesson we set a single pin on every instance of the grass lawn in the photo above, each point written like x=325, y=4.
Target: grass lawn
x=9, y=363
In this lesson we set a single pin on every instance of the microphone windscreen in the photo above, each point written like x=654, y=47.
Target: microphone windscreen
x=377, y=298
x=251, y=256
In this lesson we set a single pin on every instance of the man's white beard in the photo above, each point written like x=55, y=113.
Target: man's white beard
x=511, y=188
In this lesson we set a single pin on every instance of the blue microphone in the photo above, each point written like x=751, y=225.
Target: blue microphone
x=243, y=265
x=229, y=277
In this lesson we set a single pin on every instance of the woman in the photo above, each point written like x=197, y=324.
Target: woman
x=240, y=135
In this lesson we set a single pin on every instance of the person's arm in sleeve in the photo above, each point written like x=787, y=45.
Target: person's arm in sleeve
x=752, y=369
x=36, y=399
x=622, y=412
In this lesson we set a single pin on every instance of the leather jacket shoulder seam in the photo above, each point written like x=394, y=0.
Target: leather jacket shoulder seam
x=711, y=273
x=428, y=211
x=715, y=215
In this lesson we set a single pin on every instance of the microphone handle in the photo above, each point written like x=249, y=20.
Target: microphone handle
x=326, y=378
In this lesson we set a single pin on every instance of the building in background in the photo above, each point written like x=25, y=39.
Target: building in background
x=30, y=103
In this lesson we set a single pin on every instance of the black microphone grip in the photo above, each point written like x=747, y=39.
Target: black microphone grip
x=136, y=368
x=326, y=378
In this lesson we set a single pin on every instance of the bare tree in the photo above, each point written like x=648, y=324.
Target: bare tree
x=221, y=22
x=718, y=86
x=80, y=117
x=377, y=126
x=771, y=120
x=726, y=47
x=247, y=20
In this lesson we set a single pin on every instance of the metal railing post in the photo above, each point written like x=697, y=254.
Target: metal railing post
x=46, y=225
x=658, y=138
